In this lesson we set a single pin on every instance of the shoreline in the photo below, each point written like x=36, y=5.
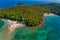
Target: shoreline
x=12, y=25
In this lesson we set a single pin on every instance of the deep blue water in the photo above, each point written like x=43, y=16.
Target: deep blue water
x=7, y=4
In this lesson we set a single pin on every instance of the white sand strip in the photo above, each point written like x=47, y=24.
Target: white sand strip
x=50, y=14
x=13, y=25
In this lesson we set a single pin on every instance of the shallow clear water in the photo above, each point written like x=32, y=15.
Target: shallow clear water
x=1, y=23
x=50, y=31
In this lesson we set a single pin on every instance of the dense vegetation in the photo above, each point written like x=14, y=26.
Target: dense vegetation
x=31, y=15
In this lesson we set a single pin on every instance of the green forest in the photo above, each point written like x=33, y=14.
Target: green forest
x=31, y=15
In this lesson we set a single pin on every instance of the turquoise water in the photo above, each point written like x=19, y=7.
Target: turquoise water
x=50, y=31
x=32, y=33
x=55, y=23
x=1, y=23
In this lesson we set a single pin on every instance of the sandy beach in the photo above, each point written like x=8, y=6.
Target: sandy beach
x=50, y=14
x=12, y=25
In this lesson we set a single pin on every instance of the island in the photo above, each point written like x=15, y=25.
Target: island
x=29, y=19
x=27, y=14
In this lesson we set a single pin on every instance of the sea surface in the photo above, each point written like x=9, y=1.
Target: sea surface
x=11, y=3
x=50, y=31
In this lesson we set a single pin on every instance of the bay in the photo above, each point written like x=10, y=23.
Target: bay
x=50, y=31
